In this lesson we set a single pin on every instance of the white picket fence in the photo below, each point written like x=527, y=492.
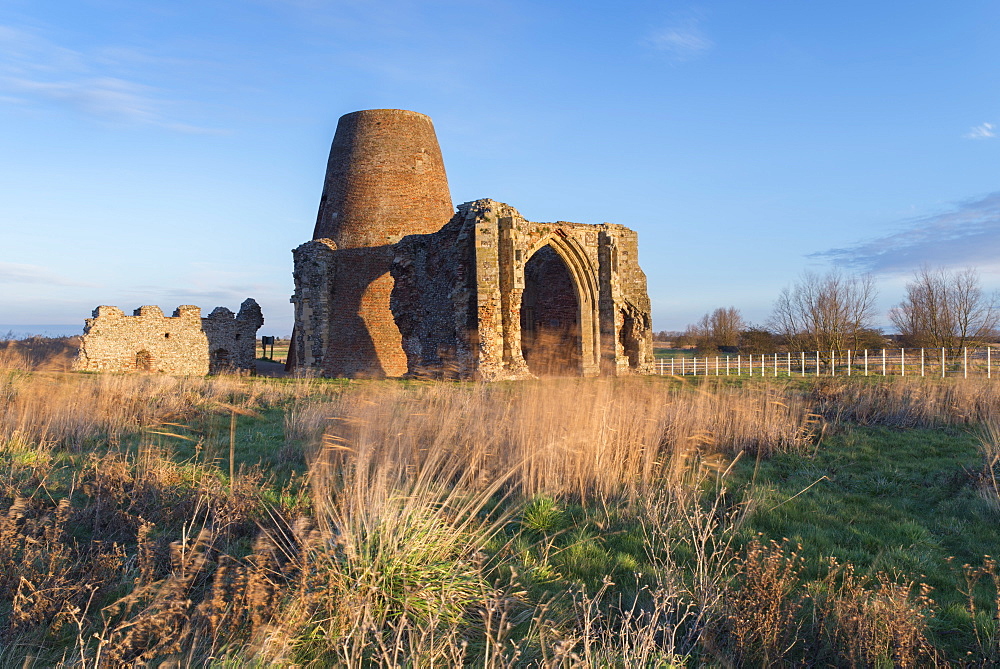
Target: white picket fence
x=884, y=362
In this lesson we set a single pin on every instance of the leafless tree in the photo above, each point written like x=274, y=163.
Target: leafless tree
x=693, y=335
x=946, y=309
x=723, y=326
x=826, y=312
x=719, y=328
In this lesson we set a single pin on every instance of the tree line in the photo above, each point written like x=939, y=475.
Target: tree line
x=836, y=312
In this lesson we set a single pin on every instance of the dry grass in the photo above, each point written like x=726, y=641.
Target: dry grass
x=39, y=353
x=402, y=476
x=408, y=554
x=874, y=621
x=73, y=410
x=986, y=623
x=582, y=438
x=764, y=600
x=989, y=446
x=908, y=402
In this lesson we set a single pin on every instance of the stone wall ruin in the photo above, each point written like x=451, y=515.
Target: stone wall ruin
x=395, y=283
x=185, y=343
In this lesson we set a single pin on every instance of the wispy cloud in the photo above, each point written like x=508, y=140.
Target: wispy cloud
x=681, y=39
x=982, y=131
x=966, y=235
x=34, y=70
x=11, y=273
x=206, y=293
x=223, y=295
x=106, y=97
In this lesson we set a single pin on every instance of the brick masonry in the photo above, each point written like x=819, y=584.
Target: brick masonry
x=396, y=284
x=385, y=179
x=184, y=343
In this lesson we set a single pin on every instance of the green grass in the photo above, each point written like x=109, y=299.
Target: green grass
x=664, y=352
x=901, y=501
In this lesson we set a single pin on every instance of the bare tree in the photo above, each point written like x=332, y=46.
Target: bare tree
x=693, y=335
x=826, y=312
x=719, y=328
x=946, y=309
x=723, y=326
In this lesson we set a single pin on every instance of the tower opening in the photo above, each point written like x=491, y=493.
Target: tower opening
x=550, y=317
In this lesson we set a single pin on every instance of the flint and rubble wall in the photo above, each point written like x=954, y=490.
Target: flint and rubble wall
x=433, y=302
x=459, y=292
x=232, y=339
x=184, y=343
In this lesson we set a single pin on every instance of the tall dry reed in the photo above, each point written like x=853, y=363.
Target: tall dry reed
x=39, y=353
x=989, y=447
x=907, y=402
x=574, y=437
x=71, y=410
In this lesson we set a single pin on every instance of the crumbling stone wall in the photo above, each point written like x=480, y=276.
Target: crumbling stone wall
x=472, y=276
x=184, y=343
x=434, y=302
x=452, y=298
x=232, y=338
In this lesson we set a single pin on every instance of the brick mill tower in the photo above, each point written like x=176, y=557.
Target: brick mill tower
x=385, y=179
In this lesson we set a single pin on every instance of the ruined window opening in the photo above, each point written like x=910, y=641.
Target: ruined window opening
x=166, y=335
x=550, y=317
x=629, y=337
x=144, y=361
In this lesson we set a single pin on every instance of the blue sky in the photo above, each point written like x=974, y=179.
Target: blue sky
x=169, y=153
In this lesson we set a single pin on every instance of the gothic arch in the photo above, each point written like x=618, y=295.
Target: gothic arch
x=584, y=281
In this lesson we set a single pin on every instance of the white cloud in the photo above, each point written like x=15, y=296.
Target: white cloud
x=11, y=273
x=982, y=131
x=36, y=71
x=106, y=97
x=225, y=295
x=967, y=235
x=681, y=40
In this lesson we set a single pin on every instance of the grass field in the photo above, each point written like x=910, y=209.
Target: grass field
x=235, y=521
x=276, y=353
x=661, y=350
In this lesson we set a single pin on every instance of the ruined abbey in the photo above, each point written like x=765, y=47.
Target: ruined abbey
x=396, y=283
x=185, y=343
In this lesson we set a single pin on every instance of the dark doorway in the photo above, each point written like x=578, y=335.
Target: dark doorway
x=550, y=317
x=220, y=361
x=144, y=361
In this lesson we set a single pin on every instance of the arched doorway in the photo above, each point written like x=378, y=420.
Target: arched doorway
x=550, y=316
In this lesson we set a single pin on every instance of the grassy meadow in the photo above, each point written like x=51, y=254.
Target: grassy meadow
x=647, y=522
